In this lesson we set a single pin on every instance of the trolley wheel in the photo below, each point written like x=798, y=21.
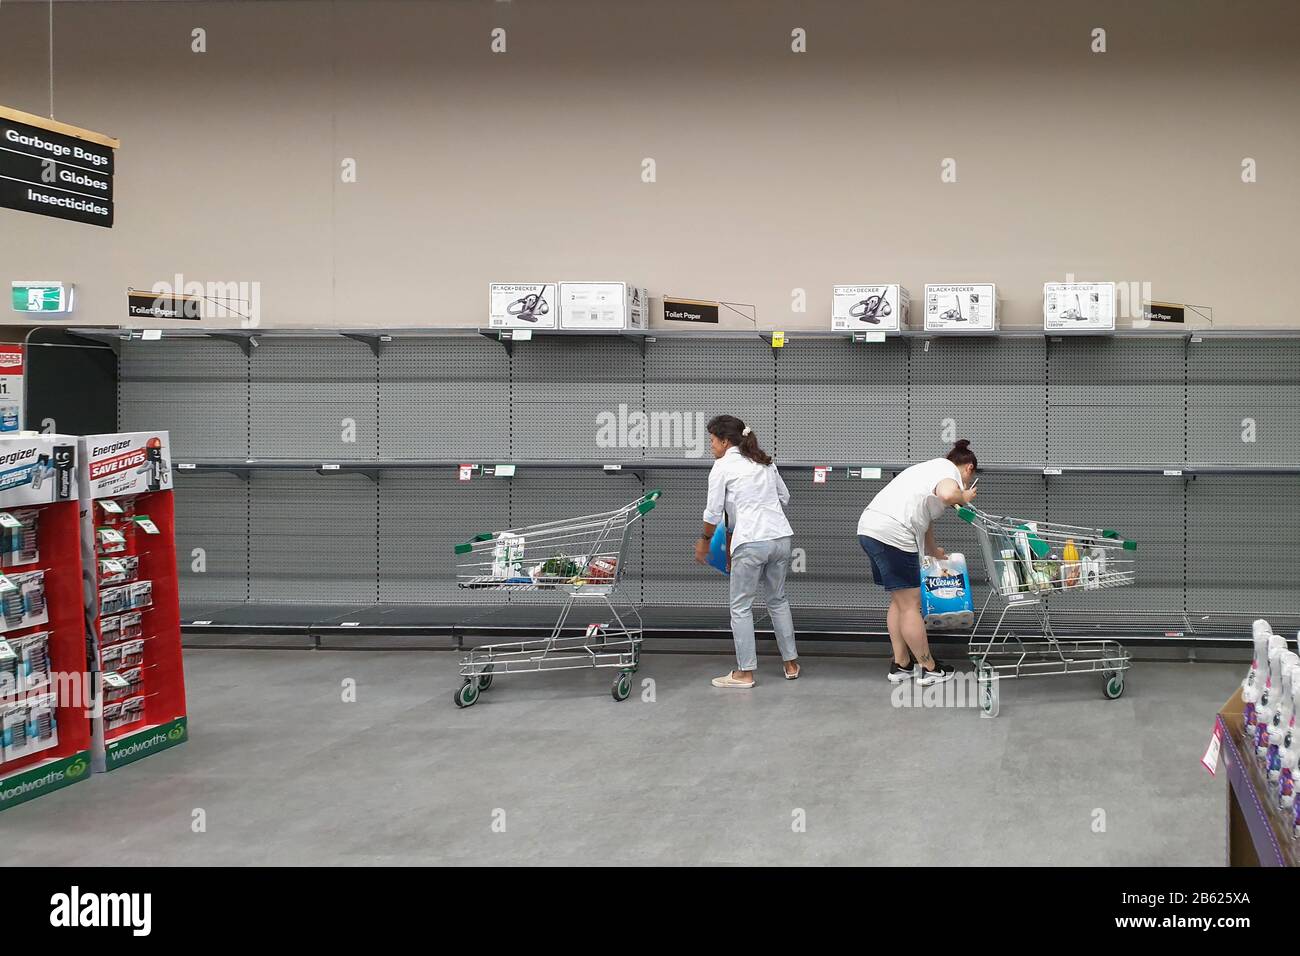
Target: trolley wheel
x=485, y=678
x=622, y=686
x=468, y=694
x=1114, y=687
x=989, y=702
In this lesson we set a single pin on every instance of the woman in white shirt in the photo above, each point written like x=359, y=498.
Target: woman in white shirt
x=891, y=531
x=747, y=492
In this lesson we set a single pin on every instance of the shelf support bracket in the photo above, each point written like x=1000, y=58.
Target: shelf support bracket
x=247, y=341
x=375, y=341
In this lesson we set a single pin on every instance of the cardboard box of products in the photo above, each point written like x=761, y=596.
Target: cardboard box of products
x=874, y=308
x=603, y=305
x=1258, y=835
x=522, y=305
x=961, y=307
x=1078, y=306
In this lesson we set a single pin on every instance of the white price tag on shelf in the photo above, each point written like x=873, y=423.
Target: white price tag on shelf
x=146, y=525
x=1051, y=471
x=522, y=335
x=7, y=653
x=505, y=471
x=819, y=474
x=112, y=566
x=200, y=622
x=185, y=465
x=1211, y=759
x=612, y=467
x=778, y=340
x=151, y=335
x=871, y=473
x=9, y=521
x=111, y=506
x=350, y=624
x=114, y=679
x=466, y=473
x=329, y=467
x=868, y=336
x=1173, y=472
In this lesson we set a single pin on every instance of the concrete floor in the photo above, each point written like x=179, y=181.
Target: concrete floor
x=287, y=773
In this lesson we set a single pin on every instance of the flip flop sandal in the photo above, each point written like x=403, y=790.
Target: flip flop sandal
x=795, y=676
x=729, y=681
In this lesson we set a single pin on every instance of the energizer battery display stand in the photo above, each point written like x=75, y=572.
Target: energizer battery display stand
x=45, y=734
x=128, y=547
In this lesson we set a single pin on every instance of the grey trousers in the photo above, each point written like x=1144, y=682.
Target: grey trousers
x=767, y=562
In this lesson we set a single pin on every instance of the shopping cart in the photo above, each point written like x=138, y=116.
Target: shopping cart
x=581, y=558
x=1029, y=563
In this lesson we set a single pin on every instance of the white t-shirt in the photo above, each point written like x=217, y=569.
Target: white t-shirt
x=902, y=511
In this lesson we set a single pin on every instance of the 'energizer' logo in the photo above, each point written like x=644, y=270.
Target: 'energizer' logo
x=15, y=457
x=109, y=449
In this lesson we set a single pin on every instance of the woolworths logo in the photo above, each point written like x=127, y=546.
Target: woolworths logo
x=23, y=787
x=131, y=749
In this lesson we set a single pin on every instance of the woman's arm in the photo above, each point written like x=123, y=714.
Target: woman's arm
x=951, y=493
x=714, y=513
x=782, y=492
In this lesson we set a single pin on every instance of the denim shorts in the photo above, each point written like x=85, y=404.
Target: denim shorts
x=892, y=568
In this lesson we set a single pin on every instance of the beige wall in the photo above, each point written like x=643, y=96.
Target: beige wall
x=776, y=171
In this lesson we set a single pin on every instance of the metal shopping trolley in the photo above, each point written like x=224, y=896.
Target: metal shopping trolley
x=1029, y=563
x=581, y=558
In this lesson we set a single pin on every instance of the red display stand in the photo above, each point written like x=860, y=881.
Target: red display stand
x=45, y=696
x=128, y=542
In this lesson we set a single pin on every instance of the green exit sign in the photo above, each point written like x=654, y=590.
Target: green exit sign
x=43, y=297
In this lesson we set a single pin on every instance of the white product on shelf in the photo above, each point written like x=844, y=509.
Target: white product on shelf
x=1254, y=680
x=109, y=541
x=872, y=308
x=961, y=307
x=1280, y=724
x=18, y=545
x=22, y=600
x=33, y=656
x=141, y=594
x=523, y=305
x=603, y=305
x=1078, y=306
x=1290, y=753
x=29, y=727
x=1268, y=698
x=110, y=630
x=132, y=653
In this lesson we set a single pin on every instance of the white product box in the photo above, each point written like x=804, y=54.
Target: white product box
x=522, y=305
x=961, y=307
x=603, y=305
x=875, y=308
x=1078, y=306
x=126, y=463
x=37, y=470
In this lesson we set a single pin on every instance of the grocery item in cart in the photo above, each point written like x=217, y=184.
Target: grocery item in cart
x=507, y=556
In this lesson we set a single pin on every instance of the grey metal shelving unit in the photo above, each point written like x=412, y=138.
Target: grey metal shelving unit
x=307, y=527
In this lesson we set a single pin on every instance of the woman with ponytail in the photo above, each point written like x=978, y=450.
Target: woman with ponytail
x=892, y=530
x=746, y=491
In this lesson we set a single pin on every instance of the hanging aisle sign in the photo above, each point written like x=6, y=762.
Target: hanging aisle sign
x=53, y=169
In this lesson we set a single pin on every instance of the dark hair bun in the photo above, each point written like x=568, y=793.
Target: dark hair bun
x=961, y=444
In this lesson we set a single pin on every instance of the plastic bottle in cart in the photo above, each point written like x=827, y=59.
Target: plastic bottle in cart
x=507, y=556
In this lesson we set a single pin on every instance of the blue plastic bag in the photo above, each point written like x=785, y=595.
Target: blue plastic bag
x=718, y=550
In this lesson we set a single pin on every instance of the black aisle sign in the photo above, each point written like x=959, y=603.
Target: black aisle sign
x=690, y=310
x=163, y=305
x=53, y=174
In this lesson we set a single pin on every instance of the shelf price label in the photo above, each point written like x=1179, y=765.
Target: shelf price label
x=1211, y=759
x=778, y=340
x=1173, y=472
x=505, y=471
x=466, y=473
x=820, y=473
x=185, y=465
x=1051, y=471
x=146, y=524
x=114, y=679
x=111, y=506
x=9, y=521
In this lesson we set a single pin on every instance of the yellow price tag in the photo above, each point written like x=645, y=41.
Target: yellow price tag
x=778, y=340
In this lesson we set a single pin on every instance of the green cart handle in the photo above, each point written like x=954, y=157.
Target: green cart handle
x=647, y=502
x=468, y=546
x=1125, y=544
